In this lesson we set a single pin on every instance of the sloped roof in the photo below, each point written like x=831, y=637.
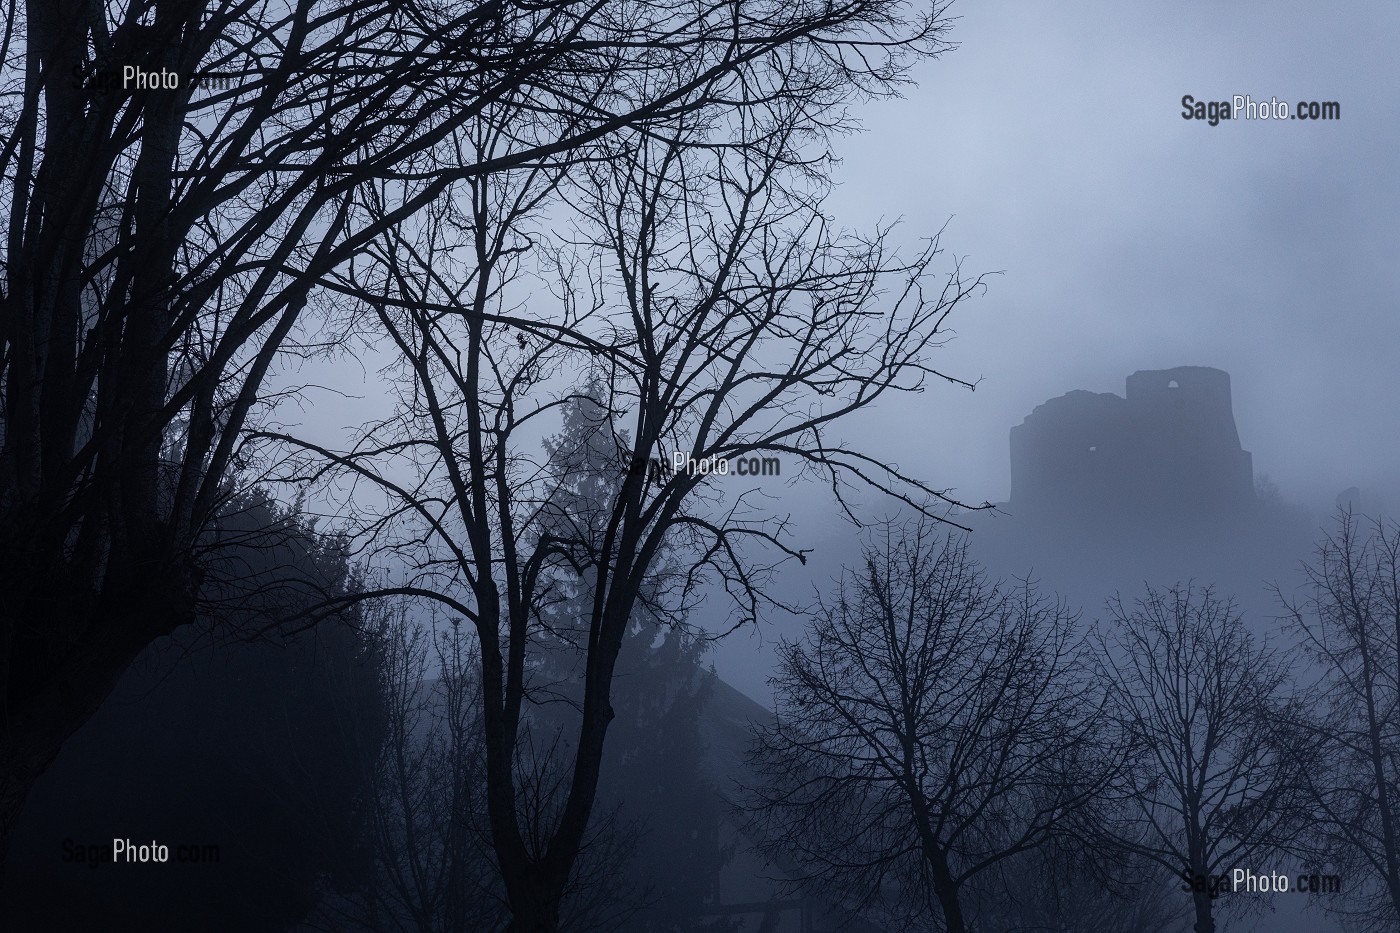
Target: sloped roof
x=727, y=720
x=726, y=726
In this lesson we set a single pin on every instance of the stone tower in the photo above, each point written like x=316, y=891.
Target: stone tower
x=1170, y=449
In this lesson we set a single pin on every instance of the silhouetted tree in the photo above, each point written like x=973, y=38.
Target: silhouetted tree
x=167, y=249
x=428, y=826
x=929, y=728
x=1349, y=622
x=1075, y=886
x=653, y=773
x=698, y=280
x=1216, y=767
x=423, y=828
x=430, y=829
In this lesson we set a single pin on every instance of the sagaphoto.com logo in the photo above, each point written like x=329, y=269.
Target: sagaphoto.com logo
x=1246, y=881
x=1245, y=107
x=126, y=79
x=658, y=469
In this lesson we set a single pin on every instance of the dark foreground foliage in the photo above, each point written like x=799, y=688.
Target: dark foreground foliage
x=225, y=738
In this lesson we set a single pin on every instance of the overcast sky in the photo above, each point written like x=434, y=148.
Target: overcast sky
x=1131, y=238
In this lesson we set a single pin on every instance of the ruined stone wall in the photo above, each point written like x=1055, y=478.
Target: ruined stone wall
x=1169, y=448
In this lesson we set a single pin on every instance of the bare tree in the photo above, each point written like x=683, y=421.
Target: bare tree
x=1078, y=887
x=1349, y=622
x=697, y=282
x=654, y=769
x=929, y=728
x=426, y=823
x=431, y=868
x=168, y=241
x=1215, y=768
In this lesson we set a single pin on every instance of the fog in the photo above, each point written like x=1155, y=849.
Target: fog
x=1052, y=143
x=1129, y=238
x=1048, y=151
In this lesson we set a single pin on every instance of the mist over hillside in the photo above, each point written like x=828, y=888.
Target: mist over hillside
x=653, y=467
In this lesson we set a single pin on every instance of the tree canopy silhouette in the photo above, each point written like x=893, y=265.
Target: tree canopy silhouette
x=170, y=246
x=930, y=730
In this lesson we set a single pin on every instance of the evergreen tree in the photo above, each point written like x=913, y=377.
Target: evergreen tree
x=654, y=770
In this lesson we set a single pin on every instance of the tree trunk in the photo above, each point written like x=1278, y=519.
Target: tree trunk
x=1205, y=920
x=534, y=906
x=946, y=890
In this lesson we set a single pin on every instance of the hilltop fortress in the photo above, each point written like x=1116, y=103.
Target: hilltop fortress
x=1168, y=450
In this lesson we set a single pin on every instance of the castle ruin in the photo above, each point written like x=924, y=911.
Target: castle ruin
x=1168, y=450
